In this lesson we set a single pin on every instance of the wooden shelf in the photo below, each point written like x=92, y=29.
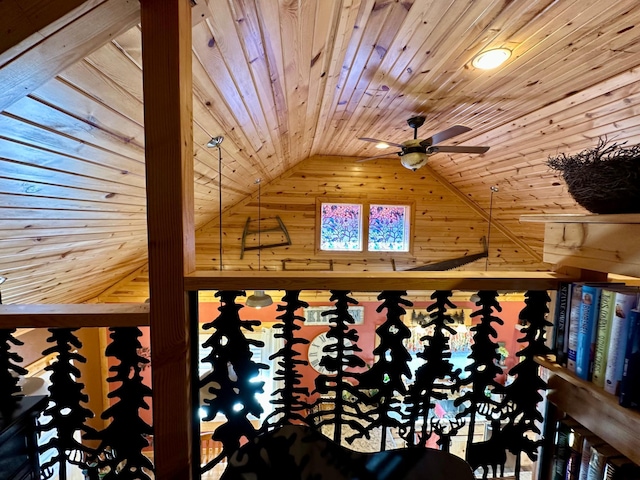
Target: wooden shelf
x=604, y=243
x=374, y=281
x=594, y=408
x=621, y=218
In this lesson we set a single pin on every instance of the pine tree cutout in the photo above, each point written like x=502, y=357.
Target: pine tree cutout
x=340, y=384
x=522, y=396
x=65, y=408
x=10, y=391
x=385, y=379
x=120, y=453
x=231, y=383
x=484, y=362
x=290, y=399
x=436, y=376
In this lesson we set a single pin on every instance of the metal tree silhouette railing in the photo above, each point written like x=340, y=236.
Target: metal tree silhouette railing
x=349, y=392
x=362, y=400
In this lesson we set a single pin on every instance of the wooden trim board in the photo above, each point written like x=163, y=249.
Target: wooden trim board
x=374, y=281
x=74, y=315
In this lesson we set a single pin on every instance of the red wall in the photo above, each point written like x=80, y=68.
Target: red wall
x=506, y=333
x=208, y=311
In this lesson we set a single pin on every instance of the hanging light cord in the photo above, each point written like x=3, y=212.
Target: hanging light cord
x=494, y=189
x=220, y=198
x=259, y=222
x=215, y=143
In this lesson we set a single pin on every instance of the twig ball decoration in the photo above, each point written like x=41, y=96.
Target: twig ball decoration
x=603, y=179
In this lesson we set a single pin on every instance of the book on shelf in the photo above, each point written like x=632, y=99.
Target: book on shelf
x=561, y=321
x=576, y=439
x=624, y=302
x=630, y=383
x=587, y=327
x=561, y=454
x=602, y=336
x=603, y=331
x=620, y=468
x=572, y=329
x=550, y=333
x=600, y=454
x=588, y=441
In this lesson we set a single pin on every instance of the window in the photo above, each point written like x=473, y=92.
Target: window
x=341, y=227
x=388, y=228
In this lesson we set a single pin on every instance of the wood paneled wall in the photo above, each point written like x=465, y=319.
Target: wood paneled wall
x=445, y=225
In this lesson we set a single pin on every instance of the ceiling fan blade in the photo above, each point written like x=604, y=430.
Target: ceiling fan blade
x=375, y=140
x=456, y=149
x=445, y=135
x=384, y=155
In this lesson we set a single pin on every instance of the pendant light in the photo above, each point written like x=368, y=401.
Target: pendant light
x=259, y=298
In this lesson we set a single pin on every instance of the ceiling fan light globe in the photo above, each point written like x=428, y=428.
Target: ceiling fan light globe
x=413, y=160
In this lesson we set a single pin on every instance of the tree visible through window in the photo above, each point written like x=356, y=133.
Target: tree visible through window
x=341, y=227
x=388, y=228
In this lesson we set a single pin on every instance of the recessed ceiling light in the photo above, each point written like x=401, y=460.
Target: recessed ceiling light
x=382, y=145
x=491, y=58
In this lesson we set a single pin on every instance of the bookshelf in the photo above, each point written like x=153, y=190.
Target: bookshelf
x=594, y=408
x=597, y=243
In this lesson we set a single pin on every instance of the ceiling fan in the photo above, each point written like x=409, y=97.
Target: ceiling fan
x=415, y=153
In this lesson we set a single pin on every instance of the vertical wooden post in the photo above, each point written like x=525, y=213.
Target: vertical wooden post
x=166, y=56
x=195, y=385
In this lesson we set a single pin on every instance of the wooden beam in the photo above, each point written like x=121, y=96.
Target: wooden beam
x=74, y=315
x=373, y=281
x=44, y=60
x=167, y=82
x=93, y=375
x=476, y=208
x=25, y=22
x=604, y=243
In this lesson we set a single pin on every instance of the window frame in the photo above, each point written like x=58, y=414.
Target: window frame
x=365, y=204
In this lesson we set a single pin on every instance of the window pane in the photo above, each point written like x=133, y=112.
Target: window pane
x=389, y=228
x=341, y=227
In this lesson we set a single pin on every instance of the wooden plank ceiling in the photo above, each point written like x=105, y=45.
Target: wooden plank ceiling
x=285, y=81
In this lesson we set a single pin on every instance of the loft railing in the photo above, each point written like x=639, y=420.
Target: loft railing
x=347, y=401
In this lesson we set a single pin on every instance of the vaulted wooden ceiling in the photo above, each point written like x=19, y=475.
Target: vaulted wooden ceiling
x=284, y=81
